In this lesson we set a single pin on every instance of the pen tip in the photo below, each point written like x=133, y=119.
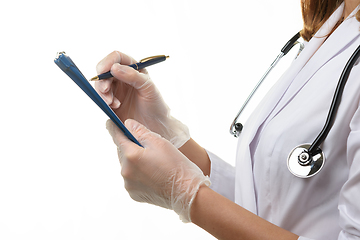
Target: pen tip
x=94, y=78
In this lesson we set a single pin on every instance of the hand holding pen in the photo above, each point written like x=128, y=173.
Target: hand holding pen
x=133, y=95
x=124, y=79
x=137, y=66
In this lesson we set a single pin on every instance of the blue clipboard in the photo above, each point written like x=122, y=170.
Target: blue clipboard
x=68, y=66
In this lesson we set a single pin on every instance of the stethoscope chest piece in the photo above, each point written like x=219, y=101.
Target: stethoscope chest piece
x=303, y=164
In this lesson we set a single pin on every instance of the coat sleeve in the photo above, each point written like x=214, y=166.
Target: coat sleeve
x=349, y=201
x=222, y=176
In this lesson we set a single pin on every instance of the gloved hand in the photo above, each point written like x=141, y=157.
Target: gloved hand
x=158, y=173
x=132, y=94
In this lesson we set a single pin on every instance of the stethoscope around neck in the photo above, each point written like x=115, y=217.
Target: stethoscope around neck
x=305, y=160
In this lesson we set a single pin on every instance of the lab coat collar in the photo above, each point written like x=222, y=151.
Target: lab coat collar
x=332, y=46
x=344, y=34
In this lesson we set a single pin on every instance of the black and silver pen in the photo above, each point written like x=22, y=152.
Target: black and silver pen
x=137, y=66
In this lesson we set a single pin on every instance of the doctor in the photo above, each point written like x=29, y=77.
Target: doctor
x=259, y=198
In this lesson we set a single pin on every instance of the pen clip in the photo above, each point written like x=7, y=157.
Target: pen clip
x=153, y=57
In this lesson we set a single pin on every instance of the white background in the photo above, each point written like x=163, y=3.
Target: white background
x=59, y=173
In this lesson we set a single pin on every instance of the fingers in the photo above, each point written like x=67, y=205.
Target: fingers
x=105, y=86
x=117, y=62
x=106, y=90
x=114, y=57
x=130, y=76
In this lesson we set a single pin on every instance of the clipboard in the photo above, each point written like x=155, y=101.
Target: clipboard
x=65, y=63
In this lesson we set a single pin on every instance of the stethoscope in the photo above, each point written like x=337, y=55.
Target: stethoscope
x=305, y=160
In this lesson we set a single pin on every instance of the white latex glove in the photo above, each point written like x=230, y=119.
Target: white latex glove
x=159, y=173
x=132, y=95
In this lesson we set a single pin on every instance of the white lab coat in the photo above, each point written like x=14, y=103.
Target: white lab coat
x=326, y=206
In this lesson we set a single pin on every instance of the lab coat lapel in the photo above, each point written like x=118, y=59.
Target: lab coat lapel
x=245, y=193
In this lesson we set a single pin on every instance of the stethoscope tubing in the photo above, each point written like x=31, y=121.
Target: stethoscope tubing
x=235, y=128
x=335, y=102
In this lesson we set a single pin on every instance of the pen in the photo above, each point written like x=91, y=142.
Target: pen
x=137, y=66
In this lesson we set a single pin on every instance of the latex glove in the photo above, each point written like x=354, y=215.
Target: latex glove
x=159, y=173
x=132, y=94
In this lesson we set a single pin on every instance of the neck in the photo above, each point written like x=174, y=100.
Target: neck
x=350, y=5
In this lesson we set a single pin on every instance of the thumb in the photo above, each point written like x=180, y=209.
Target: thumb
x=117, y=135
x=140, y=132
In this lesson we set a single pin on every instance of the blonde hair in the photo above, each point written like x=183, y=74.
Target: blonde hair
x=315, y=13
